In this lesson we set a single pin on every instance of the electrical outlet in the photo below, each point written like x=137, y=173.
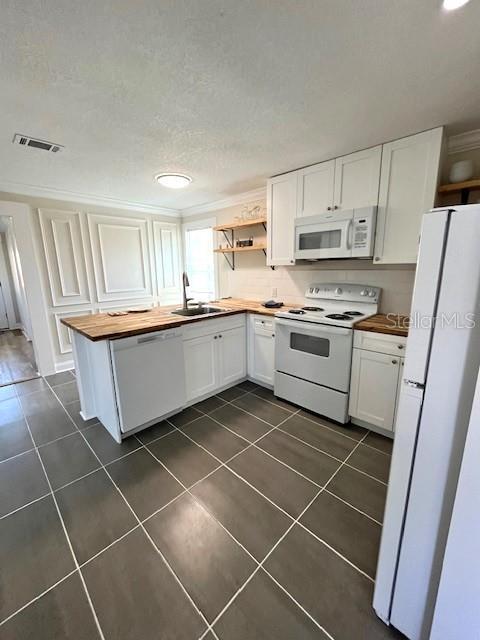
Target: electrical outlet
x=274, y=292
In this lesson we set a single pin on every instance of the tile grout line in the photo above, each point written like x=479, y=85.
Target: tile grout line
x=174, y=575
x=364, y=513
x=74, y=557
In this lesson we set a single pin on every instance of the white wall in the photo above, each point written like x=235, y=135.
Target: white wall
x=252, y=279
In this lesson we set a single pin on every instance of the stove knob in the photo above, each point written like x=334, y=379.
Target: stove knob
x=317, y=289
x=372, y=294
x=364, y=292
x=338, y=291
x=311, y=289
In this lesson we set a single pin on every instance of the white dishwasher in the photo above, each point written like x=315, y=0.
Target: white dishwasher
x=149, y=375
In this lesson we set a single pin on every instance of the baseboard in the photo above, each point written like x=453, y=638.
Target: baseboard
x=373, y=427
x=64, y=366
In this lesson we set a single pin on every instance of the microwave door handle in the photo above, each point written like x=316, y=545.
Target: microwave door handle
x=349, y=234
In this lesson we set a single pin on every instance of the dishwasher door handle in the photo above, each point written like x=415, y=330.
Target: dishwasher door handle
x=158, y=336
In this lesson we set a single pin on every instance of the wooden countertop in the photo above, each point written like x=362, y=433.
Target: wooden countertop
x=392, y=324
x=101, y=326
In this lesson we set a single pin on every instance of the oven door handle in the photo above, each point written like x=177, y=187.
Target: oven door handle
x=311, y=327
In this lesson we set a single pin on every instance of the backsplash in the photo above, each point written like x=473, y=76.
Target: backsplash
x=259, y=283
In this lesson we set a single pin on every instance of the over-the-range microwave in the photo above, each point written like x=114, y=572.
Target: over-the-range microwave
x=336, y=234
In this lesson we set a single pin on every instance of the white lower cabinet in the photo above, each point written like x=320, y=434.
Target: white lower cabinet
x=261, y=349
x=215, y=355
x=375, y=381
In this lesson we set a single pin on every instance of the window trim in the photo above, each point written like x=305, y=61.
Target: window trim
x=204, y=223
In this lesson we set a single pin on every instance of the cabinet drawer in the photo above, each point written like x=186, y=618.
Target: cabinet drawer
x=212, y=325
x=380, y=342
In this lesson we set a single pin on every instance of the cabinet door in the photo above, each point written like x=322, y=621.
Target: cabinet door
x=232, y=350
x=408, y=184
x=399, y=388
x=281, y=209
x=201, y=366
x=315, y=189
x=357, y=179
x=373, y=389
x=263, y=354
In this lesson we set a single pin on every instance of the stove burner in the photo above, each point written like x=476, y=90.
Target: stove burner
x=297, y=312
x=338, y=316
x=312, y=309
x=354, y=313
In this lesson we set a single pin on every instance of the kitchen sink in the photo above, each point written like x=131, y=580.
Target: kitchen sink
x=196, y=311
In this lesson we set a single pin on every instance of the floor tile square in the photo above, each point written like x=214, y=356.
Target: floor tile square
x=106, y=448
x=267, y=411
x=208, y=562
x=144, y=482
x=267, y=394
x=46, y=416
x=60, y=378
x=368, y=460
x=244, y=424
x=320, y=437
x=186, y=460
x=7, y=392
x=277, y=482
x=349, y=532
x=210, y=404
x=136, y=596
x=264, y=612
x=247, y=385
x=67, y=392
x=34, y=554
x=94, y=513
x=359, y=490
x=155, y=431
x=21, y=481
x=14, y=435
x=379, y=442
x=218, y=440
x=251, y=519
x=67, y=459
x=313, y=464
x=232, y=393
x=62, y=613
x=351, y=430
x=184, y=417
x=343, y=606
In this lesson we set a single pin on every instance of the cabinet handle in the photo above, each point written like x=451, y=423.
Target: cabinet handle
x=215, y=337
x=336, y=207
x=220, y=336
x=273, y=335
x=399, y=346
x=329, y=208
x=377, y=259
x=394, y=361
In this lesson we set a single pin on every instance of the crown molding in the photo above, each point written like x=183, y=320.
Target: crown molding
x=464, y=141
x=36, y=191
x=240, y=198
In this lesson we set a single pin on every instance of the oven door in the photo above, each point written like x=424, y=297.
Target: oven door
x=322, y=237
x=318, y=353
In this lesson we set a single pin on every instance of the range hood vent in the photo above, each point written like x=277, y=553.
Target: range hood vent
x=36, y=143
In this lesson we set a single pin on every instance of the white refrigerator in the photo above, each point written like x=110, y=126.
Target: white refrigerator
x=440, y=375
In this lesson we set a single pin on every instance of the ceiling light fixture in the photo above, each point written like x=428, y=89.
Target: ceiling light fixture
x=173, y=180
x=450, y=5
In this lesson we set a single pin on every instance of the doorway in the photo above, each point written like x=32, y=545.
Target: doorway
x=17, y=359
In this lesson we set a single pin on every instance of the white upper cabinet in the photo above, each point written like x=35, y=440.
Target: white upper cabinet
x=281, y=211
x=408, y=184
x=357, y=177
x=315, y=189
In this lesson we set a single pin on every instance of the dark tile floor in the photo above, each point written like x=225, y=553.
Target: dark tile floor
x=17, y=361
x=237, y=519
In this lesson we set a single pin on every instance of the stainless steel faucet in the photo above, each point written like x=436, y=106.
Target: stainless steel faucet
x=185, y=284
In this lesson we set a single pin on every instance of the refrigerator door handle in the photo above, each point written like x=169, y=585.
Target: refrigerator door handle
x=412, y=383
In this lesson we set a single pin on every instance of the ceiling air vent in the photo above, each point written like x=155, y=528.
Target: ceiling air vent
x=27, y=141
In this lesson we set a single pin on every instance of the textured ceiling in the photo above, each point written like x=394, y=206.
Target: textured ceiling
x=229, y=92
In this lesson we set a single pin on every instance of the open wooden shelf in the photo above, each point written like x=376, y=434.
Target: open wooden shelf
x=239, y=225
x=454, y=187
x=255, y=247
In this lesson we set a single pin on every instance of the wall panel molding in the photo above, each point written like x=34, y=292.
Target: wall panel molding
x=167, y=246
x=63, y=333
x=65, y=257
x=121, y=257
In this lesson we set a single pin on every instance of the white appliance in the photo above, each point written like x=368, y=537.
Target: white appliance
x=336, y=234
x=440, y=373
x=313, y=346
x=146, y=389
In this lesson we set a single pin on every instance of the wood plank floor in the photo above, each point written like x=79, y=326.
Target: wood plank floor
x=17, y=361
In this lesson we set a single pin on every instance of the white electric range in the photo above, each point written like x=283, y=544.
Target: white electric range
x=313, y=346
